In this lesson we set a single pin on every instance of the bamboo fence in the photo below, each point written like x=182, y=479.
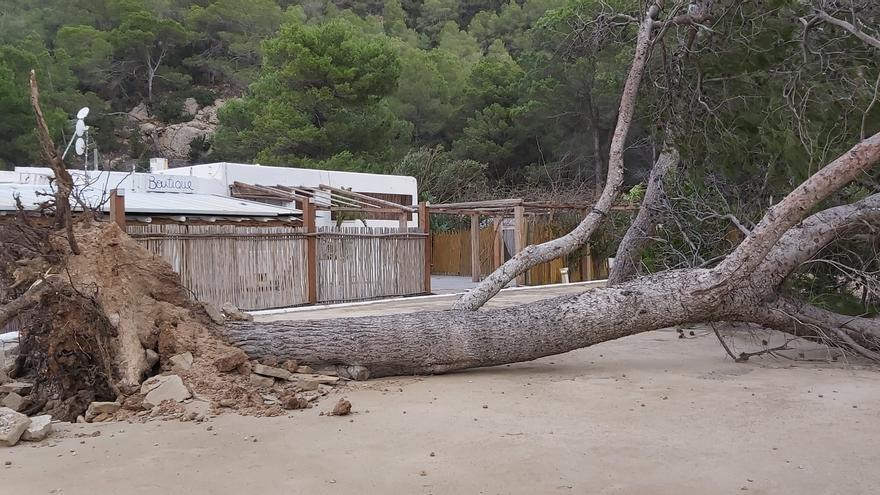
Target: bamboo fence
x=266, y=267
x=367, y=263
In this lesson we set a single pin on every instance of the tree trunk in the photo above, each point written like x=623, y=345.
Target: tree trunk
x=443, y=341
x=651, y=212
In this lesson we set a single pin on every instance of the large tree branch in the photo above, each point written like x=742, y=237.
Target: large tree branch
x=858, y=33
x=861, y=335
x=806, y=240
x=643, y=227
x=548, y=251
x=781, y=217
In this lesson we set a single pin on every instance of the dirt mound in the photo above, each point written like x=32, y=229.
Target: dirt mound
x=116, y=309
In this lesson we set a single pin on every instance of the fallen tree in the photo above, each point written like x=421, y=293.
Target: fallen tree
x=745, y=287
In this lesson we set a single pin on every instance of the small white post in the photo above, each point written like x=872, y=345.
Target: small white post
x=563, y=272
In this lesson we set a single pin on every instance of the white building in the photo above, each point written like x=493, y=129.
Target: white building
x=206, y=190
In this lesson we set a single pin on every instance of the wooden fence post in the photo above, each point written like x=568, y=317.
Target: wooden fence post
x=475, y=247
x=425, y=225
x=117, y=207
x=519, y=234
x=498, y=243
x=403, y=222
x=310, y=224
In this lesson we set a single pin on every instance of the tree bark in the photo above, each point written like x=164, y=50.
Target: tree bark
x=542, y=253
x=443, y=341
x=644, y=226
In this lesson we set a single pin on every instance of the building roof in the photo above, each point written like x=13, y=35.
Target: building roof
x=149, y=203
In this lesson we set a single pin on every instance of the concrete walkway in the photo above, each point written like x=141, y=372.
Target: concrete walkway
x=507, y=297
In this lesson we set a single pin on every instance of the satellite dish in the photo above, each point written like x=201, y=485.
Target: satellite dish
x=82, y=113
x=80, y=127
x=80, y=146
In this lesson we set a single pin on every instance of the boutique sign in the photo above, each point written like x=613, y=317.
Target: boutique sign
x=170, y=183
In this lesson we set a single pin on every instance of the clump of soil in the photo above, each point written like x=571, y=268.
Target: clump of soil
x=119, y=306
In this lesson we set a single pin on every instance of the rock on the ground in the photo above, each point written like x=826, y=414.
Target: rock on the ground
x=39, y=429
x=262, y=369
x=12, y=426
x=324, y=379
x=290, y=365
x=260, y=381
x=358, y=373
x=4, y=378
x=235, y=314
x=293, y=401
x=162, y=388
x=305, y=384
x=231, y=360
x=98, y=408
x=305, y=369
x=152, y=357
x=182, y=361
x=8, y=353
x=214, y=313
x=342, y=408
x=14, y=401
x=21, y=388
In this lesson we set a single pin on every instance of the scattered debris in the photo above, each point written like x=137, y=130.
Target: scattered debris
x=293, y=401
x=358, y=373
x=39, y=428
x=164, y=387
x=290, y=365
x=15, y=402
x=342, y=408
x=21, y=388
x=182, y=362
x=231, y=360
x=97, y=409
x=261, y=381
x=13, y=424
x=152, y=357
x=262, y=369
x=306, y=385
x=214, y=313
x=234, y=314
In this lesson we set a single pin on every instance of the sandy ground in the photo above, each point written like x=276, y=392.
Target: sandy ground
x=650, y=414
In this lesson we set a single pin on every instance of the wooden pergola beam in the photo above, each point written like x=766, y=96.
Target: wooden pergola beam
x=368, y=199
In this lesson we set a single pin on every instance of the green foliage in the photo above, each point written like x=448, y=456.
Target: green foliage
x=441, y=177
x=321, y=92
x=15, y=126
